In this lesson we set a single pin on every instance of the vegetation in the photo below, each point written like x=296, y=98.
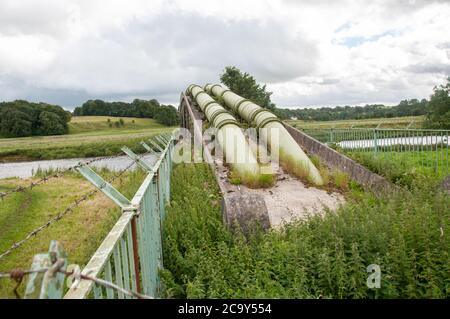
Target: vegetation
x=438, y=116
x=395, y=122
x=405, y=168
x=89, y=136
x=164, y=114
x=245, y=85
x=81, y=231
x=22, y=118
x=411, y=107
x=322, y=257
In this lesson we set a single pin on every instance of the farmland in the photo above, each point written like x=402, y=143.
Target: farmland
x=394, y=122
x=89, y=136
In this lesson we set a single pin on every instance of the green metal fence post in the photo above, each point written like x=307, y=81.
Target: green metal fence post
x=48, y=284
x=375, y=145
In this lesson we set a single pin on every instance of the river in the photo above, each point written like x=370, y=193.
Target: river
x=27, y=169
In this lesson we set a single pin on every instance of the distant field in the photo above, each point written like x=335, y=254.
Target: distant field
x=89, y=136
x=394, y=122
x=82, y=124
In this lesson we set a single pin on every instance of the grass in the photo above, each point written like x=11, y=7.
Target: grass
x=82, y=124
x=80, y=231
x=395, y=122
x=322, y=257
x=405, y=168
x=90, y=136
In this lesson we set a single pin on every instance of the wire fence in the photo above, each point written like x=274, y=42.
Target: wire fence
x=58, y=266
x=57, y=174
x=129, y=268
x=61, y=214
x=428, y=149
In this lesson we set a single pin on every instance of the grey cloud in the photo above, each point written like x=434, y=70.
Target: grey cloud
x=328, y=81
x=267, y=49
x=434, y=68
x=43, y=17
x=160, y=56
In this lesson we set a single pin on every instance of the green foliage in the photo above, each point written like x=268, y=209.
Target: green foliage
x=411, y=107
x=245, y=85
x=438, y=116
x=167, y=115
x=164, y=114
x=399, y=167
x=324, y=256
x=22, y=118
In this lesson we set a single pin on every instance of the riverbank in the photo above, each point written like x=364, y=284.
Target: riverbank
x=90, y=137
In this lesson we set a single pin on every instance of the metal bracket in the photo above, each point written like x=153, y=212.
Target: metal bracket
x=148, y=148
x=137, y=159
x=155, y=145
x=161, y=140
x=104, y=186
x=49, y=284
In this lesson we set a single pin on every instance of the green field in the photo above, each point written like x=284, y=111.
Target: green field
x=89, y=136
x=80, y=232
x=395, y=122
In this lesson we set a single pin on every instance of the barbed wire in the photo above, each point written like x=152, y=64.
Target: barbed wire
x=57, y=174
x=18, y=274
x=69, y=209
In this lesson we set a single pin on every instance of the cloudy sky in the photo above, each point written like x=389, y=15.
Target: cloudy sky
x=310, y=53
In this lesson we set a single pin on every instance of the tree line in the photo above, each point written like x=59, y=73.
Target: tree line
x=164, y=114
x=436, y=109
x=411, y=107
x=22, y=118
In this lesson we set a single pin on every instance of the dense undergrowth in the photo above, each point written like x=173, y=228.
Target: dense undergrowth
x=400, y=168
x=406, y=234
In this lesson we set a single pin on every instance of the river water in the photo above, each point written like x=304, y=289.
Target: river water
x=26, y=169
x=413, y=140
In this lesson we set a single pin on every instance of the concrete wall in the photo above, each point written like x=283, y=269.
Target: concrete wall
x=334, y=159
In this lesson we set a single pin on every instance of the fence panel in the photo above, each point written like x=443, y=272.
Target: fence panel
x=417, y=147
x=131, y=254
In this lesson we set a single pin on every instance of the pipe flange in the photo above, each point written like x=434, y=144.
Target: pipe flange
x=208, y=104
x=217, y=113
x=198, y=93
x=204, y=88
x=257, y=112
x=238, y=104
x=213, y=85
x=229, y=121
x=267, y=121
x=225, y=91
x=190, y=87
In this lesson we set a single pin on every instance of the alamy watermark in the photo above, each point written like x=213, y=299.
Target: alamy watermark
x=374, y=279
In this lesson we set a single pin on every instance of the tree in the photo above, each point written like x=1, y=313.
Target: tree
x=14, y=123
x=49, y=124
x=167, y=115
x=438, y=115
x=245, y=85
x=22, y=118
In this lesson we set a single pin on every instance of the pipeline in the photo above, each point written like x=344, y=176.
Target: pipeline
x=292, y=157
x=232, y=141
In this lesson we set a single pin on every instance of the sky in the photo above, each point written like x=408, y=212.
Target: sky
x=309, y=53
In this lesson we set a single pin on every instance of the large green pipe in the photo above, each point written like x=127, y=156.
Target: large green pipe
x=232, y=141
x=292, y=157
